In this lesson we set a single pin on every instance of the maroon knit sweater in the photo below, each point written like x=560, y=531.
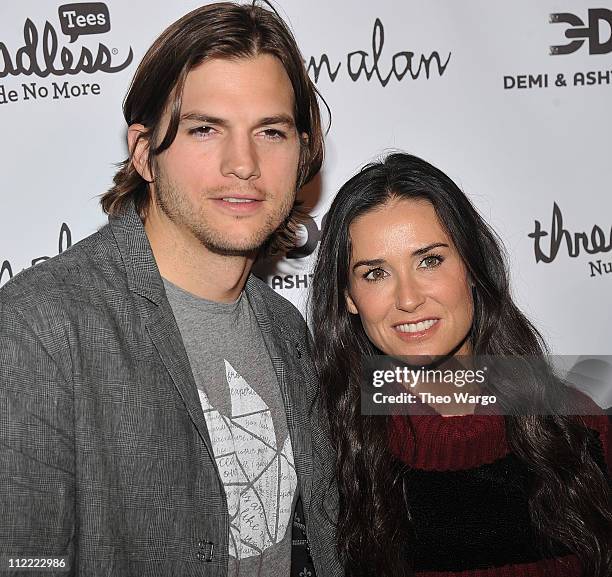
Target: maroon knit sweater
x=467, y=496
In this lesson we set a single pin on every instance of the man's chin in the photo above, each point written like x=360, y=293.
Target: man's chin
x=233, y=251
x=225, y=247
x=245, y=243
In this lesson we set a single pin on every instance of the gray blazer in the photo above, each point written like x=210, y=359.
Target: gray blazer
x=104, y=452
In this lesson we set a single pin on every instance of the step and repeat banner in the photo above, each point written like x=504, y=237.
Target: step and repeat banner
x=512, y=99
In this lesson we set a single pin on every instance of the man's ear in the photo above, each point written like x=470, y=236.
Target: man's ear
x=138, y=145
x=350, y=304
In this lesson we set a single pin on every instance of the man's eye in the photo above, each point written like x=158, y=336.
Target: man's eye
x=274, y=134
x=201, y=131
x=375, y=274
x=431, y=261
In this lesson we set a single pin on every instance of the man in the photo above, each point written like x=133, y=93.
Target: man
x=157, y=401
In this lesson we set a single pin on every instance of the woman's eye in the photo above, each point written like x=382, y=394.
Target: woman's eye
x=431, y=261
x=375, y=274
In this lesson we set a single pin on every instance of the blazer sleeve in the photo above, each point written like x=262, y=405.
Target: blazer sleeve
x=37, y=456
x=324, y=504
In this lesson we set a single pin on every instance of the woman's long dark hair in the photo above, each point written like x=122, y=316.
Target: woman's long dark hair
x=570, y=501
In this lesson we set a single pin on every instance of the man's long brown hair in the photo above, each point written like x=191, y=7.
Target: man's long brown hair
x=223, y=30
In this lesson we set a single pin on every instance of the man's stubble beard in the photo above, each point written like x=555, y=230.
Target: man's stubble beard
x=175, y=206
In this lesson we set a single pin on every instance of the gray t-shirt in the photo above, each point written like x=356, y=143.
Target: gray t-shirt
x=247, y=424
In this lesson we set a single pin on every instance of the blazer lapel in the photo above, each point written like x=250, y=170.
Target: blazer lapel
x=144, y=280
x=167, y=340
x=286, y=354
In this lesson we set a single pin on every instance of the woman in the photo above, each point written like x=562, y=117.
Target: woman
x=407, y=267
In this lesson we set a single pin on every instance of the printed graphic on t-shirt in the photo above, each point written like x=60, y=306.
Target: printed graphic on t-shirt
x=259, y=477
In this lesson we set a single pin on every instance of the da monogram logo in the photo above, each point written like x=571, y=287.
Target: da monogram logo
x=578, y=32
x=598, y=31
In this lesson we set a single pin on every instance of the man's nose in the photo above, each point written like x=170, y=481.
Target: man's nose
x=240, y=158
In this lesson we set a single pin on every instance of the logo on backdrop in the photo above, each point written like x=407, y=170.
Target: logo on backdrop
x=559, y=240
x=42, y=56
x=376, y=67
x=86, y=18
x=65, y=242
x=309, y=235
x=594, y=36
x=577, y=29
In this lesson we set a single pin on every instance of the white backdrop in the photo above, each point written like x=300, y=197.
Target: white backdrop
x=491, y=110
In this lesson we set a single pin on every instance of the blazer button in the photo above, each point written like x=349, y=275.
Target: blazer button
x=206, y=550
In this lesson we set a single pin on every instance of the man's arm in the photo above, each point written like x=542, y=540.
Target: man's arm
x=37, y=458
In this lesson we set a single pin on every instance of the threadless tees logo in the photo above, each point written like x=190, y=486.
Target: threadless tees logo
x=42, y=55
x=65, y=242
x=86, y=18
x=548, y=244
x=578, y=32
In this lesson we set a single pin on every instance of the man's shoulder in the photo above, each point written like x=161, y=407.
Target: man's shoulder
x=85, y=265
